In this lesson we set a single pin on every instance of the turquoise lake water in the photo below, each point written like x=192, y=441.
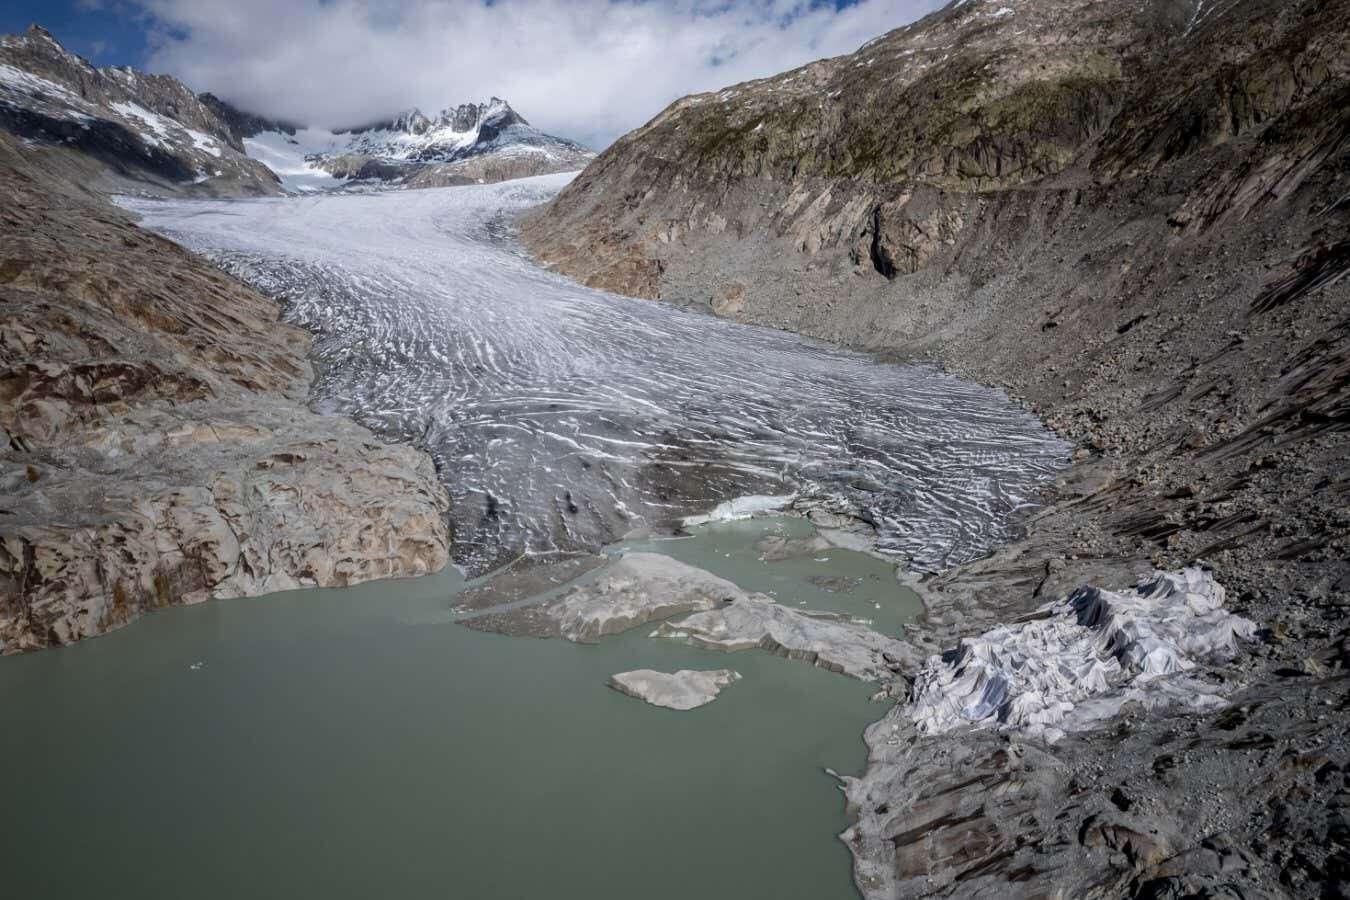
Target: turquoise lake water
x=359, y=743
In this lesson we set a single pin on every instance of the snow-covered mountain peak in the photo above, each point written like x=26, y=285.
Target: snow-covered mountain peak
x=469, y=143
x=156, y=130
x=452, y=134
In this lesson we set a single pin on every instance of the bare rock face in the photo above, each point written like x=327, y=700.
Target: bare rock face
x=157, y=449
x=904, y=235
x=886, y=156
x=1133, y=217
x=685, y=689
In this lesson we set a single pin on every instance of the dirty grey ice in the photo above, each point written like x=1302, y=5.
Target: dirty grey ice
x=562, y=418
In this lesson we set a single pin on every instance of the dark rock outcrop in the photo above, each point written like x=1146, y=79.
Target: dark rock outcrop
x=243, y=124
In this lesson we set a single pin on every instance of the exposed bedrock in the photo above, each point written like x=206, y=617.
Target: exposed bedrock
x=156, y=447
x=682, y=690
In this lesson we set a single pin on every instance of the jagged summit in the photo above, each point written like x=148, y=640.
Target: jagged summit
x=154, y=130
x=496, y=112
x=471, y=142
x=454, y=132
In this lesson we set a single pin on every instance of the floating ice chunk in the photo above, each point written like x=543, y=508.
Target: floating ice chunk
x=827, y=640
x=682, y=690
x=1080, y=658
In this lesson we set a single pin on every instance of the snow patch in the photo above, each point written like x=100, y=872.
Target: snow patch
x=161, y=127
x=165, y=130
x=286, y=155
x=27, y=83
x=203, y=142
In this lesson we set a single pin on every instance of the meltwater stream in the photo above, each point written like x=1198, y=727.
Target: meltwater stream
x=564, y=418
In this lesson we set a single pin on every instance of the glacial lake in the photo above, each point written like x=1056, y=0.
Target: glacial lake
x=358, y=743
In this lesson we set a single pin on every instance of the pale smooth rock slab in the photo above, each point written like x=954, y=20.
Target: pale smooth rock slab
x=1079, y=659
x=824, y=639
x=685, y=689
x=636, y=589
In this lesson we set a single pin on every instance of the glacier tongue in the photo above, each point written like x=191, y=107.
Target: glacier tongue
x=1081, y=658
x=562, y=417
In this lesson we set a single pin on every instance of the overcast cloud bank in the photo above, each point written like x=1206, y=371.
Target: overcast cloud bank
x=586, y=69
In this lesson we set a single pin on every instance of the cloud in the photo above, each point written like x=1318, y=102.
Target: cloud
x=587, y=69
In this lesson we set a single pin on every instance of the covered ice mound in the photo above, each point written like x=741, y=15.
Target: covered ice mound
x=1074, y=662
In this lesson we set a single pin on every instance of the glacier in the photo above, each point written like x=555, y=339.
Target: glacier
x=563, y=418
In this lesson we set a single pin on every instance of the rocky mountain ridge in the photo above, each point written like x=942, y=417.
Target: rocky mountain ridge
x=454, y=132
x=470, y=143
x=152, y=133
x=1133, y=216
x=147, y=129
